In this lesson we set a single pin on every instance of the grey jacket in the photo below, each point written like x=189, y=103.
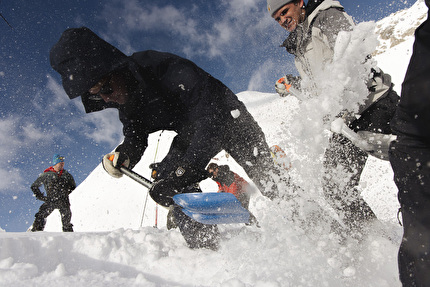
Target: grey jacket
x=313, y=43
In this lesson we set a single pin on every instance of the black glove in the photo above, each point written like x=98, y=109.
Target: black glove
x=163, y=190
x=41, y=197
x=155, y=172
x=38, y=194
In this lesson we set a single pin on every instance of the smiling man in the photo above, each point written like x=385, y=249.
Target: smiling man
x=287, y=13
x=313, y=29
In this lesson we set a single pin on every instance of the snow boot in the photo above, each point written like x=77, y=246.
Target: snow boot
x=68, y=228
x=197, y=235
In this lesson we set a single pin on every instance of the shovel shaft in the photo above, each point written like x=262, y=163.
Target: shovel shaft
x=136, y=177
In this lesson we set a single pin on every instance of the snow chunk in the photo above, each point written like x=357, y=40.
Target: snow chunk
x=235, y=113
x=336, y=125
x=349, y=271
x=60, y=271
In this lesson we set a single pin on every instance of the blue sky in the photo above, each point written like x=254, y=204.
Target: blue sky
x=234, y=40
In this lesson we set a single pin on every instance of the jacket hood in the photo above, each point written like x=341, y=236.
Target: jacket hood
x=312, y=5
x=316, y=6
x=82, y=58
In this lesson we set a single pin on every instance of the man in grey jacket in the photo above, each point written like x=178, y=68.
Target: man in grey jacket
x=313, y=30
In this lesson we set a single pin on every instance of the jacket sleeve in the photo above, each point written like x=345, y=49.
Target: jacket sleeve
x=35, y=187
x=135, y=140
x=205, y=108
x=72, y=183
x=330, y=22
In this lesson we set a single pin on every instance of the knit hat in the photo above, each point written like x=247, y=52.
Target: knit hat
x=57, y=158
x=274, y=5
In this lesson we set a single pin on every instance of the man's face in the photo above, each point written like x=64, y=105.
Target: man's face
x=111, y=89
x=59, y=166
x=289, y=16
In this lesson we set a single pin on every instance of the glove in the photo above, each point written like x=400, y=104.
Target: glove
x=41, y=197
x=154, y=167
x=379, y=142
x=38, y=194
x=112, y=161
x=163, y=190
x=283, y=85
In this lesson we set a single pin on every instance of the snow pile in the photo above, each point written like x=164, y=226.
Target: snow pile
x=400, y=26
x=117, y=245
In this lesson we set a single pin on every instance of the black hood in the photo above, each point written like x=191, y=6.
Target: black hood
x=82, y=58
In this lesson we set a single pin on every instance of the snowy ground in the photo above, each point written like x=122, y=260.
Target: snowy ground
x=279, y=253
x=116, y=243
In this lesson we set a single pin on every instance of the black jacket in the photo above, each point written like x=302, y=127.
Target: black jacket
x=168, y=93
x=412, y=118
x=58, y=186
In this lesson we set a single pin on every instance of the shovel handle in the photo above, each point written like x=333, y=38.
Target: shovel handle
x=133, y=175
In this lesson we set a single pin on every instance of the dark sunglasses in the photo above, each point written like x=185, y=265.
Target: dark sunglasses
x=106, y=89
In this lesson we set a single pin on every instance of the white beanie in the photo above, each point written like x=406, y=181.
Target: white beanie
x=274, y=5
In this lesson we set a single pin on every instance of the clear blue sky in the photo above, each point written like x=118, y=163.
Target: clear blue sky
x=234, y=40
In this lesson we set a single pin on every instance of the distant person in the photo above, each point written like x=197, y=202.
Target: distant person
x=160, y=91
x=58, y=184
x=313, y=29
x=230, y=182
x=410, y=159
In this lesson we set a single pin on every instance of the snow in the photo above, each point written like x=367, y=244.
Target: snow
x=119, y=240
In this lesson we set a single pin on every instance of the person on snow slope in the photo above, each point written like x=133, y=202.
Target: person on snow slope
x=160, y=91
x=58, y=184
x=313, y=29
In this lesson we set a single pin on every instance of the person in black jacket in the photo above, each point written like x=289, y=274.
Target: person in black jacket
x=410, y=159
x=58, y=183
x=161, y=91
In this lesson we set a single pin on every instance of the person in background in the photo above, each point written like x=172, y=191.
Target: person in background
x=410, y=159
x=58, y=184
x=231, y=182
x=313, y=29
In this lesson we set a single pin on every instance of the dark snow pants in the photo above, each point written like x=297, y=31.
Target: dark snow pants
x=411, y=166
x=196, y=234
x=46, y=209
x=344, y=163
